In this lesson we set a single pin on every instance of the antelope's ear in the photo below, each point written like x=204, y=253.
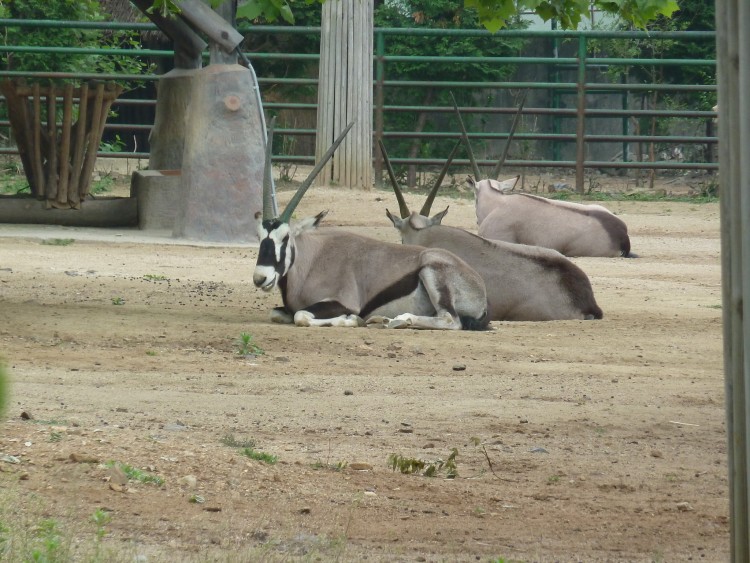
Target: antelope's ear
x=437, y=219
x=504, y=186
x=397, y=221
x=471, y=182
x=308, y=223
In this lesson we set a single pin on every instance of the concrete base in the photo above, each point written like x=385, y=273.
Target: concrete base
x=100, y=212
x=157, y=194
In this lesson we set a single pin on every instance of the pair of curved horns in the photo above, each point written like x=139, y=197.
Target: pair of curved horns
x=465, y=136
x=286, y=215
x=402, y=207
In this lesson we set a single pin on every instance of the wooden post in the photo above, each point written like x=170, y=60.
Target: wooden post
x=345, y=92
x=733, y=54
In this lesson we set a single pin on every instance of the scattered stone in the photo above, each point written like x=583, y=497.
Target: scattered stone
x=363, y=350
x=459, y=367
x=371, y=494
x=117, y=476
x=26, y=415
x=406, y=430
x=656, y=453
x=121, y=409
x=348, y=392
x=684, y=507
x=118, y=488
x=538, y=451
x=71, y=273
x=428, y=446
x=305, y=510
x=189, y=481
x=175, y=427
x=283, y=359
x=83, y=458
x=212, y=509
x=360, y=466
x=23, y=477
x=7, y=458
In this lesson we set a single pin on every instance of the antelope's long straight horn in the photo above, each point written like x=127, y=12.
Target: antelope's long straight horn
x=402, y=207
x=465, y=137
x=286, y=215
x=516, y=119
x=268, y=175
x=430, y=198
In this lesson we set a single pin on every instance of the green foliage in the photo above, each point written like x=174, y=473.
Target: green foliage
x=411, y=465
x=259, y=456
x=494, y=14
x=246, y=346
x=233, y=442
x=135, y=474
x=78, y=10
x=58, y=241
x=118, y=301
x=3, y=387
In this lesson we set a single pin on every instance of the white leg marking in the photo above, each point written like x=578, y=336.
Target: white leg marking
x=305, y=318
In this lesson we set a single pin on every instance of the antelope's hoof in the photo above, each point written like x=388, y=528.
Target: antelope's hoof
x=303, y=318
x=377, y=322
x=399, y=323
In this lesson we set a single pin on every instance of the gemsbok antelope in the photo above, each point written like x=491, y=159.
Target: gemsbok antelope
x=334, y=278
x=574, y=229
x=524, y=283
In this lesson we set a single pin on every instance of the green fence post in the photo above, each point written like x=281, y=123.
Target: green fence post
x=580, y=114
x=379, y=100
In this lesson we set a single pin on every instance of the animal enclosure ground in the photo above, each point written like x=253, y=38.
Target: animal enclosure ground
x=577, y=441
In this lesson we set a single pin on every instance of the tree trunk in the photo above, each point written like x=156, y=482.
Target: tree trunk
x=411, y=179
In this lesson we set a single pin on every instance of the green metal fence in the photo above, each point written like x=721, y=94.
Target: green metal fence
x=565, y=104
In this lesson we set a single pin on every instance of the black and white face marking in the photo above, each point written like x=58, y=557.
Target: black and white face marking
x=275, y=255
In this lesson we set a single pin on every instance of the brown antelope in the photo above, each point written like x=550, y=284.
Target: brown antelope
x=524, y=283
x=333, y=278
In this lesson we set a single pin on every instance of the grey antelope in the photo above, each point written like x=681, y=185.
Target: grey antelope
x=524, y=283
x=573, y=229
x=334, y=278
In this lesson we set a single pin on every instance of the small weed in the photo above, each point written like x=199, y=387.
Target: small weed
x=101, y=518
x=135, y=474
x=16, y=186
x=338, y=467
x=58, y=241
x=246, y=346
x=150, y=353
x=118, y=301
x=102, y=185
x=49, y=536
x=409, y=465
x=259, y=456
x=115, y=145
x=717, y=306
x=196, y=499
x=553, y=479
x=55, y=436
x=234, y=442
x=154, y=277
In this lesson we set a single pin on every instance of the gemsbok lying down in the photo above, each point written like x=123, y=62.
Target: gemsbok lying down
x=574, y=229
x=524, y=283
x=334, y=278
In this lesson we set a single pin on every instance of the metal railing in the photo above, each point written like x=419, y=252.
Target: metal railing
x=566, y=127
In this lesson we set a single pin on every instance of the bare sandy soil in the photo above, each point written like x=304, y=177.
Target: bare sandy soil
x=576, y=441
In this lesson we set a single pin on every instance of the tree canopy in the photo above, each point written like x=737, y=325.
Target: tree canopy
x=492, y=14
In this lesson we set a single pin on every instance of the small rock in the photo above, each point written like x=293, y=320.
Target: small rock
x=9, y=458
x=459, y=367
x=26, y=415
x=684, y=507
x=189, y=481
x=23, y=477
x=406, y=430
x=538, y=451
x=121, y=409
x=117, y=476
x=305, y=510
x=656, y=453
x=428, y=446
x=371, y=494
x=283, y=359
x=360, y=466
x=118, y=488
x=83, y=458
x=175, y=427
x=363, y=350
x=348, y=392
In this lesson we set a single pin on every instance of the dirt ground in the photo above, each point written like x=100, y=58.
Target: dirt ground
x=576, y=441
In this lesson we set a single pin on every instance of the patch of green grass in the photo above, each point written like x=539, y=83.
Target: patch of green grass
x=135, y=474
x=102, y=185
x=233, y=442
x=55, y=437
x=553, y=479
x=702, y=197
x=259, y=456
x=338, y=467
x=118, y=301
x=154, y=277
x=411, y=465
x=14, y=185
x=246, y=346
x=717, y=306
x=58, y=241
x=150, y=353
